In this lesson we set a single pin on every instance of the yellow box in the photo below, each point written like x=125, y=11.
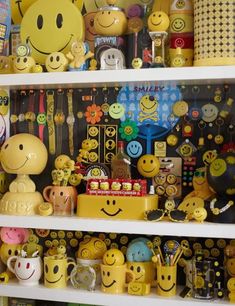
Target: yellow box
x=115, y=207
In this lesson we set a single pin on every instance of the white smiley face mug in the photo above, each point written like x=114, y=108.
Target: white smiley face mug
x=28, y=271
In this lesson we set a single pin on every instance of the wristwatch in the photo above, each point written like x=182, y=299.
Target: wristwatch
x=59, y=119
x=70, y=120
x=30, y=116
x=14, y=116
x=50, y=121
x=41, y=117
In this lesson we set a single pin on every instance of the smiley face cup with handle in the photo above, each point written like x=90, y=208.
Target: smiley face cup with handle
x=28, y=270
x=56, y=271
x=115, y=275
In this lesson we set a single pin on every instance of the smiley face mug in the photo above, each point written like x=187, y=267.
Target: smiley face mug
x=114, y=278
x=56, y=271
x=28, y=271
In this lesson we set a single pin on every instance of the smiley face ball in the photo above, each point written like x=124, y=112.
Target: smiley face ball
x=158, y=21
x=51, y=26
x=222, y=170
x=148, y=165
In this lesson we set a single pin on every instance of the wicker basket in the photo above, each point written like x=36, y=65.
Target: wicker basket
x=214, y=32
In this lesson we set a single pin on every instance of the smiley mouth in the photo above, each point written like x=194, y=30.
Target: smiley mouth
x=147, y=171
x=156, y=24
x=115, y=64
x=135, y=290
x=110, y=285
x=135, y=153
x=47, y=53
x=18, y=167
x=52, y=282
x=27, y=277
x=166, y=290
x=112, y=263
x=138, y=277
x=148, y=107
x=111, y=215
x=55, y=67
x=103, y=26
x=21, y=69
x=9, y=236
x=88, y=30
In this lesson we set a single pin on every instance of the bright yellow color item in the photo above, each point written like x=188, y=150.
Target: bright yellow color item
x=166, y=280
x=115, y=207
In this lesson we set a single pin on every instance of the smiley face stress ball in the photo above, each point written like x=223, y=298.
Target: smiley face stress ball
x=51, y=26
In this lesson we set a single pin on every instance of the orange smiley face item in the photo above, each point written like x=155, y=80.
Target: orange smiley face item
x=148, y=165
x=90, y=29
x=110, y=21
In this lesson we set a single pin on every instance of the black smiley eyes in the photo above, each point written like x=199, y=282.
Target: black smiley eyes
x=59, y=21
x=55, y=269
x=21, y=147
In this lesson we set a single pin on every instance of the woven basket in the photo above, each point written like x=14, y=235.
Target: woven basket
x=214, y=32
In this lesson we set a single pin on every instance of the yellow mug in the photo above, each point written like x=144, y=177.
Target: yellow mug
x=113, y=278
x=56, y=271
x=144, y=271
x=166, y=280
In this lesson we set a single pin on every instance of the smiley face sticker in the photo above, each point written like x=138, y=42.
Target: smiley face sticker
x=134, y=149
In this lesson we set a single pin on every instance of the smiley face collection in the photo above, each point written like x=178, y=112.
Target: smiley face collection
x=94, y=35
x=116, y=263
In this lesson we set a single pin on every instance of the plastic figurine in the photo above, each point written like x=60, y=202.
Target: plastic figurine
x=200, y=185
x=56, y=62
x=200, y=214
x=84, y=151
x=110, y=20
x=79, y=55
x=91, y=248
x=22, y=154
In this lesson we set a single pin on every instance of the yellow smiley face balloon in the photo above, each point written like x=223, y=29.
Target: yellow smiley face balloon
x=52, y=26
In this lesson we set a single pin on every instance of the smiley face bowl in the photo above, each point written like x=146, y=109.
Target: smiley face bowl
x=115, y=207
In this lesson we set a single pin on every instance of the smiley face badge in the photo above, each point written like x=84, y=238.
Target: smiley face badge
x=51, y=27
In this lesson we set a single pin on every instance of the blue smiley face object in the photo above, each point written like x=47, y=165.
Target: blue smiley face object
x=134, y=149
x=138, y=250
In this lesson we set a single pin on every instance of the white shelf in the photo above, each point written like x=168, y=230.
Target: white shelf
x=97, y=297
x=189, y=229
x=156, y=76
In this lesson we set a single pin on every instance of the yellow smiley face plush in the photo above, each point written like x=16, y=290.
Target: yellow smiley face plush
x=51, y=26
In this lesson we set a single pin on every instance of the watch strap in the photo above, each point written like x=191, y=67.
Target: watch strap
x=14, y=116
x=59, y=120
x=41, y=117
x=70, y=120
x=30, y=115
x=50, y=121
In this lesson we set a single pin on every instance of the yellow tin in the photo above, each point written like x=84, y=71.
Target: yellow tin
x=214, y=38
x=115, y=207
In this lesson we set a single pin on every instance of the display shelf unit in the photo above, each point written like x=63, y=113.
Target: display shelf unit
x=188, y=229
x=87, y=79
x=156, y=76
x=98, y=298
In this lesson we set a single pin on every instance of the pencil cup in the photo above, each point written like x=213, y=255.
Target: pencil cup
x=166, y=280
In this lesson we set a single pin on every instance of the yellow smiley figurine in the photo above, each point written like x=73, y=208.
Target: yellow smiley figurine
x=113, y=257
x=148, y=165
x=51, y=26
x=110, y=20
x=56, y=62
x=158, y=21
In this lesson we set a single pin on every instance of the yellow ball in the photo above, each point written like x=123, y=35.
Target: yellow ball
x=148, y=165
x=158, y=22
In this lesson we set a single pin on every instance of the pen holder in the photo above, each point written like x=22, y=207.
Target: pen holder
x=166, y=280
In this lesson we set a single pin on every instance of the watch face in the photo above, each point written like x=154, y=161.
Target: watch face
x=70, y=119
x=21, y=117
x=30, y=116
x=41, y=118
x=59, y=118
x=22, y=50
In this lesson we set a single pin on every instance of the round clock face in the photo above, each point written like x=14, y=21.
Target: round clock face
x=70, y=119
